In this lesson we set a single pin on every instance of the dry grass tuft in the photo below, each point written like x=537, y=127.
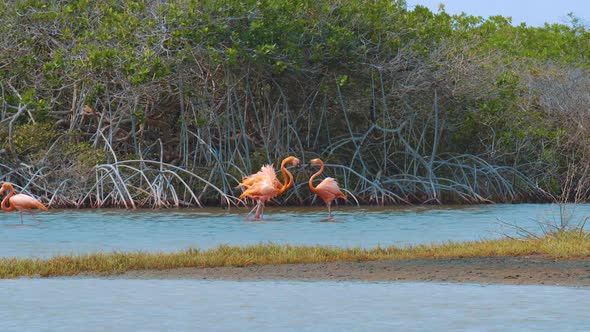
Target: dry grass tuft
x=560, y=246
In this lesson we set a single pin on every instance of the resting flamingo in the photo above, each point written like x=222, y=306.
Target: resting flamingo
x=328, y=189
x=18, y=202
x=264, y=185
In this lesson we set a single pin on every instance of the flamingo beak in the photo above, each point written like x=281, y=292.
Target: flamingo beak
x=296, y=162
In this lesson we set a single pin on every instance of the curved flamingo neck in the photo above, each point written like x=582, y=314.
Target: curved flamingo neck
x=315, y=175
x=287, y=176
x=6, y=207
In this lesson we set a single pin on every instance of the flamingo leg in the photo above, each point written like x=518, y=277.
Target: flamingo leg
x=329, y=210
x=21, y=215
x=259, y=211
x=251, y=211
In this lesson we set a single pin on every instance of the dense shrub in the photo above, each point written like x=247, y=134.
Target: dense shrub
x=411, y=105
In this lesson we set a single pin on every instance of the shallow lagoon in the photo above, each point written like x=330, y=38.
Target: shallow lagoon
x=83, y=231
x=191, y=305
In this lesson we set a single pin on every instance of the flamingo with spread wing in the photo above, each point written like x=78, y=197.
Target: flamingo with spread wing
x=264, y=185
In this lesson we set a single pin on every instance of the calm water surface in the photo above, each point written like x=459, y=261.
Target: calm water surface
x=82, y=231
x=190, y=305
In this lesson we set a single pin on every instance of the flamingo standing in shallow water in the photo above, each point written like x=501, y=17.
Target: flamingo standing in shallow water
x=18, y=202
x=264, y=185
x=328, y=189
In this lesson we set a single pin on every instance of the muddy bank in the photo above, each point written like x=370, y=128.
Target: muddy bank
x=497, y=270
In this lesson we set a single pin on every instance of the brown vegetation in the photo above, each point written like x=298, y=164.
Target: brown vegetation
x=114, y=103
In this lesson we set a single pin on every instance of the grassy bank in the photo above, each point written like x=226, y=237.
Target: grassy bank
x=560, y=246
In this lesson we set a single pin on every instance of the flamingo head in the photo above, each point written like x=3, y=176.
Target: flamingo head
x=5, y=187
x=316, y=162
x=292, y=160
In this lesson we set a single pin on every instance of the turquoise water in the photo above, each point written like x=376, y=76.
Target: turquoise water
x=83, y=231
x=191, y=305
x=197, y=305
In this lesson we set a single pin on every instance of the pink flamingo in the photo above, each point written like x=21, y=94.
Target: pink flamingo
x=264, y=185
x=18, y=202
x=328, y=189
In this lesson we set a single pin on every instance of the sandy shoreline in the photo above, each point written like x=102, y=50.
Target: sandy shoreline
x=495, y=270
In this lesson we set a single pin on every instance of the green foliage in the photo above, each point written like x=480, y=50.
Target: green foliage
x=34, y=141
x=82, y=154
x=33, y=138
x=140, y=67
x=280, y=34
x=555, y=42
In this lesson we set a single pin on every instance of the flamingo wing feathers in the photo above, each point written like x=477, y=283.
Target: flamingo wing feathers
x=261, y=185
x=328, y=189
x=21, y=201
x=266, y=172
